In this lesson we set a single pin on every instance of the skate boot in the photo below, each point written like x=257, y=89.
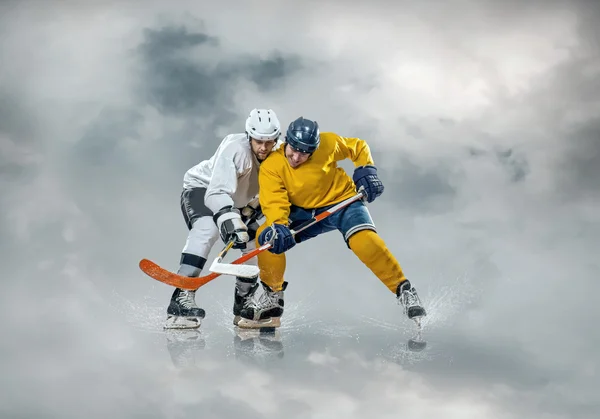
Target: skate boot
x=183, y=313
x=408, y=297
x=244, y=291
x=265, y=312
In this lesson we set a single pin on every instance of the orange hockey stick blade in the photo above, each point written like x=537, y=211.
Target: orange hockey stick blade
x=167, y=277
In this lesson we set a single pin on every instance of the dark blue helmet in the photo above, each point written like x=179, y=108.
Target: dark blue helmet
x=303, y=135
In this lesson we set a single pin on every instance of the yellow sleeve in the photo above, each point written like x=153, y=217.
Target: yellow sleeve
x=273, y=197
x=354, y=149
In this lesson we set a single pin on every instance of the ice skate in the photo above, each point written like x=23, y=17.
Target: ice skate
x=409, y=299
x=265, y=312
x=245, y=289
x=183, y=313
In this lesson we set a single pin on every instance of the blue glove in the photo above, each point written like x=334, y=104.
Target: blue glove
x=284, y=240
x=366, y=177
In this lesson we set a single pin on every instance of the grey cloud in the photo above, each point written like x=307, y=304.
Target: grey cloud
x=585, y=156
x=222, y=406
x=425, y=189
x=589, y=10
x=578, y=168
x=14, y=119
x=21, y=156
x=268, y=73
x=168, y=41
x=514, y=163
x=298, y=409
x=17, y=137
x=568, y=99
x=179, y=84
x=581, y=161
x=173, y=82
x=99, y=145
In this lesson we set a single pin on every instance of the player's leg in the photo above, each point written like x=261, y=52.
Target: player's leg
x=183, y=312
x=267, y=310
x=245, y=288
x=361, y=236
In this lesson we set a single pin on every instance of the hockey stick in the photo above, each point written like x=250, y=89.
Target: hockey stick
x=244, y=271
x=248, y=271
x=162, y=275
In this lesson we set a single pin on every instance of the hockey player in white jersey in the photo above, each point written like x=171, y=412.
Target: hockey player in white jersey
x=219, y=195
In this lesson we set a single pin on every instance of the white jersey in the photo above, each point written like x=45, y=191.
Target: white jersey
x=230, y=176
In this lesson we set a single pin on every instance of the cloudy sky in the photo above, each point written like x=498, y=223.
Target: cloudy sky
x=483, y=117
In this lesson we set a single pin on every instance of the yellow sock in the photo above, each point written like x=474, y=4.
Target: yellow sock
x=370, y=248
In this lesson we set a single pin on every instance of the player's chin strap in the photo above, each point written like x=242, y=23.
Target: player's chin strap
x=236, y=268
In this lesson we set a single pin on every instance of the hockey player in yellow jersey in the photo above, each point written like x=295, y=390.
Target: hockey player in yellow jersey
x=301, y=179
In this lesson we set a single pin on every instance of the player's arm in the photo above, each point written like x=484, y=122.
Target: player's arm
x=218, y=197
x=223, y=182
x=355, y=149
x=365, y=173
x=273, y=197
x=275, y=205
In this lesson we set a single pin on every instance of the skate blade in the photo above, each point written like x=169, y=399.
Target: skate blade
x=175, y=322
x=259, y=324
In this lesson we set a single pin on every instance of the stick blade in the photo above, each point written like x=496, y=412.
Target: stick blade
x=155, y=271
x=244, y=271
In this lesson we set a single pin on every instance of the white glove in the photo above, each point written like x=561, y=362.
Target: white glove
x=230, y=225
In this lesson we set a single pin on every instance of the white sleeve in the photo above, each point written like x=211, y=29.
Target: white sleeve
x=224, y=180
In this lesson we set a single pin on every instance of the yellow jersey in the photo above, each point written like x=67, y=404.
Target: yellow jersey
x=316, y=183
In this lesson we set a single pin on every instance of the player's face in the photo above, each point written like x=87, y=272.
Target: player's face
x=295, y=158
x=261, y=149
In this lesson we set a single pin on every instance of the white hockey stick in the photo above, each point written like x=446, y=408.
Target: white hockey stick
x=244, y=271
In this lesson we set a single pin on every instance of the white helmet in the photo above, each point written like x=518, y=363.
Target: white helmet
x=263, y=125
